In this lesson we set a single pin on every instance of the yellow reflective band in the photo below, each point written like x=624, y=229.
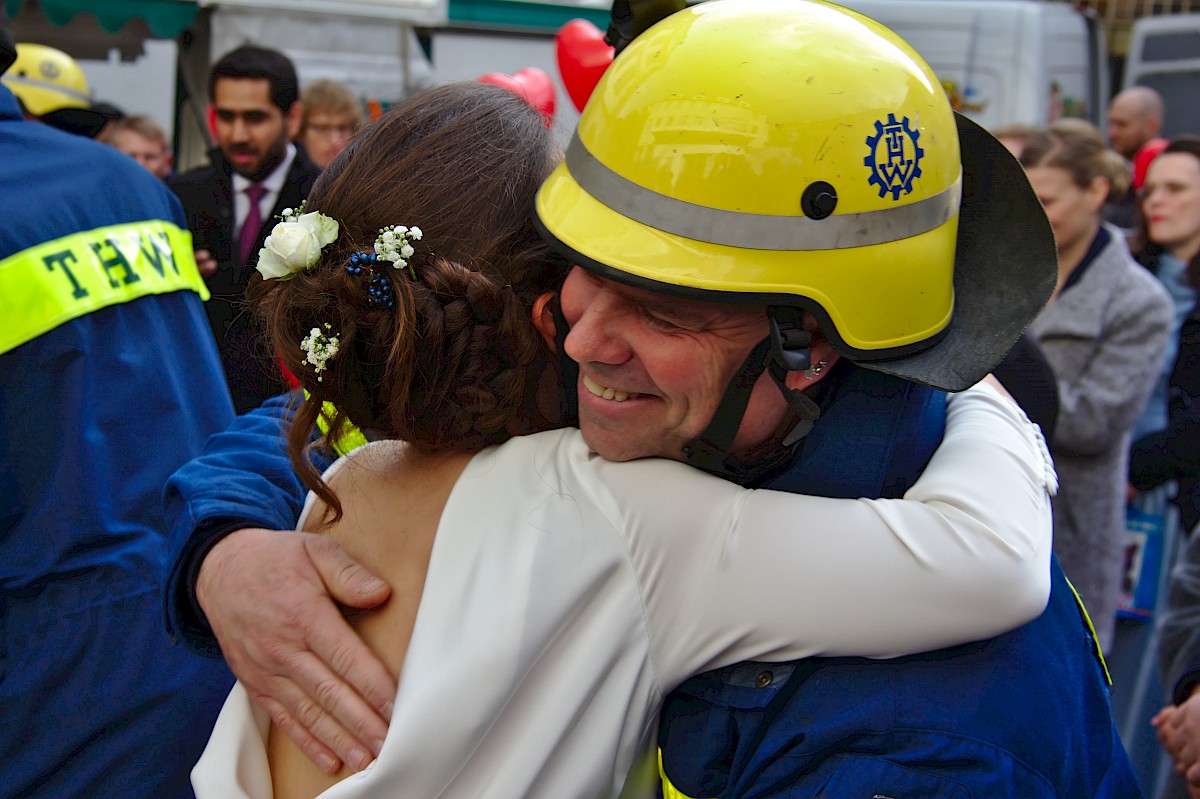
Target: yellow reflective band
x=1092, y=631
x=669, y=790
x=351, y=437
x=60, y=280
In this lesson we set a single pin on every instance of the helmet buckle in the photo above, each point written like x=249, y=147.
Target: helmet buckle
x=791, y=344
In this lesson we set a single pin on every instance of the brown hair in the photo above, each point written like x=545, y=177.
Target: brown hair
x=326, y=96
x=140, y=124
x=456, y=363
x=251, y=61
x=1076, y=146
x=1147, y=252
x=1019, y=132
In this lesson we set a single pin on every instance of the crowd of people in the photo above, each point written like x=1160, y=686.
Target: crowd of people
x=687, y=462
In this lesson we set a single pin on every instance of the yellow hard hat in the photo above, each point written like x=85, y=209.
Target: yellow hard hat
x=795, y=153
x=46, y=80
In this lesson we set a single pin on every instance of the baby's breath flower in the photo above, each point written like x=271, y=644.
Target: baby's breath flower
x=320, y=349
x=393, y=244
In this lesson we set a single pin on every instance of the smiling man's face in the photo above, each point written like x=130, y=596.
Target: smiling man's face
x=653, y=369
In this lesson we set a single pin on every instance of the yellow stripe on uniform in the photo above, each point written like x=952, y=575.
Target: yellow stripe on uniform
x=1099, y=653
x=351, y=437
x=57, y=281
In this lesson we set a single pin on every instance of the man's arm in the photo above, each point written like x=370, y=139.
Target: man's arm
x=1179, y=641
x=270, y=598
x=1178, y=725
x=1168, y=454
x=242, y=479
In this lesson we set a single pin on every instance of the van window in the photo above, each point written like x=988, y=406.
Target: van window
x=1164, y=54
x=1171, y=46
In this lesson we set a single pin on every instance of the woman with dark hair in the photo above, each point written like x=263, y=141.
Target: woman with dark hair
x=1168, y=244
x=1103, y=334
x=536, y=620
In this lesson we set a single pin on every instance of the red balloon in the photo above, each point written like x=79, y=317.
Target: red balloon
x=532, y=85
x=583, y=55
x=1141, y=162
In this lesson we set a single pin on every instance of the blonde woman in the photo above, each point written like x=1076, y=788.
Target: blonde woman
x=1103, y=333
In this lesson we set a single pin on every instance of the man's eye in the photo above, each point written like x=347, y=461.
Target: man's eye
x=659, y=322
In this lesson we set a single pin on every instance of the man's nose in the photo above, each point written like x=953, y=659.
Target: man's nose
x=597, y=336
x=239, y=131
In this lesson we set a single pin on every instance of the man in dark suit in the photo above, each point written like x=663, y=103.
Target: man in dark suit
x=255, y=172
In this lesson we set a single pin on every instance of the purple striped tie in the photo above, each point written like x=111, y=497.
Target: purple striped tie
x=248, y=236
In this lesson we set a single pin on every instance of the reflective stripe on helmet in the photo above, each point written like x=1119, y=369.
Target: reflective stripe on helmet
x=757, y=231
x=16, y=81
x=57, y=281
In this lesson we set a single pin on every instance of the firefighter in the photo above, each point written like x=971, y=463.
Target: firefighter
x=110, y=381
x=799, y=157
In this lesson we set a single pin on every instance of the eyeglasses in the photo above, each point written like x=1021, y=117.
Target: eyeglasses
x=343, y=131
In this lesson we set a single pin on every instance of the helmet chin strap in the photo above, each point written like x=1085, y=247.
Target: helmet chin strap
x=786, y=349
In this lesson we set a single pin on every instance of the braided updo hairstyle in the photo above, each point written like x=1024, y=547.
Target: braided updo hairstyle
x=456, y=363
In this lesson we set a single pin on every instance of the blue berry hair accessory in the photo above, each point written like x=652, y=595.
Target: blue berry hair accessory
x=360, y=262
x=394, y=244
x=380, y=291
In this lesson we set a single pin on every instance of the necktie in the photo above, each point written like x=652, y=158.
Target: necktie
x=248, y=236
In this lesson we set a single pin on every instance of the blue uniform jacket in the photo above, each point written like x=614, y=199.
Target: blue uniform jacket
x=96, y=411
x=1025, y=715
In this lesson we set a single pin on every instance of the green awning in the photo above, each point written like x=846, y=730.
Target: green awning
x=518, y=14
x=165, y=18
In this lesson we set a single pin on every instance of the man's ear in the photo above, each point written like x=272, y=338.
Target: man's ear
x=799, y=381
x=293, y=120
x=543, y=319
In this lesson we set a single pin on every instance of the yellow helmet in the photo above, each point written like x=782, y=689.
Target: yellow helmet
x=46, y=80
x=796, y=153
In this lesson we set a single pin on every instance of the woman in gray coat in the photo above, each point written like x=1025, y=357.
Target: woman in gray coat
x=1103, y=332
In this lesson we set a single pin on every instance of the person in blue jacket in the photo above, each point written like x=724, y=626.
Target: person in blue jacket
x=110, y=382
x=1025, y=714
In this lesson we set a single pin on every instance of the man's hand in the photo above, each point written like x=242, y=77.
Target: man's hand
x=206, y=263
x=1178, y=729
x=269, y=597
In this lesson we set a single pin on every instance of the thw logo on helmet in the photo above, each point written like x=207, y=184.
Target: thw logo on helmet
x=895, y=157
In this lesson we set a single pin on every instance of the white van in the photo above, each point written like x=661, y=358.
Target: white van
x=1164, y=54
x=1006, y=61
x=1002, y=61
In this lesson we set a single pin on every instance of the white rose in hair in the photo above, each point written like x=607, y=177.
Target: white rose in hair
x=295, y=246
x=324, y=228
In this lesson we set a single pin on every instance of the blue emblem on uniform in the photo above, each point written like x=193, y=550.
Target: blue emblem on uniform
x=895, y=157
